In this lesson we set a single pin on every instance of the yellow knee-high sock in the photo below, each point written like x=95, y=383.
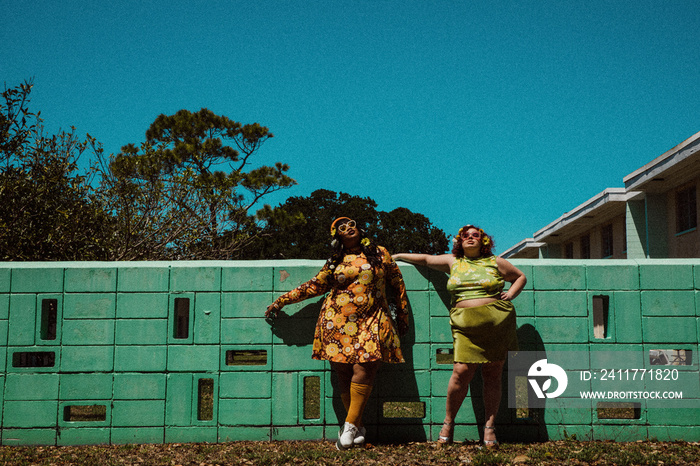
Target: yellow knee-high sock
x=345, y=397
x=359, y=394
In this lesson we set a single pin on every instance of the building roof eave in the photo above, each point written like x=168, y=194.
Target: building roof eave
x=587, y=209
x=669, y=160
x=527, y=243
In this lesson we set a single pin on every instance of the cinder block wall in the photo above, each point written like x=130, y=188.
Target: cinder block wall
x=180, y=352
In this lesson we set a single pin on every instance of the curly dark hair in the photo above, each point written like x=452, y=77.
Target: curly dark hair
x=487, y=242
x=371, y=251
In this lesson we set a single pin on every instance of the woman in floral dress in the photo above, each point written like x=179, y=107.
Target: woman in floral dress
x=355, y=330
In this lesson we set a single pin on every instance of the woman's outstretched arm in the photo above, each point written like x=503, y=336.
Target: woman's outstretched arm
x=441, y=262
x=317, y=286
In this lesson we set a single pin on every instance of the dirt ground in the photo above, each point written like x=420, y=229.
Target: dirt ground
x=569, y=452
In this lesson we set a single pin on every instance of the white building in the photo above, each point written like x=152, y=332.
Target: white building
x=654, y=216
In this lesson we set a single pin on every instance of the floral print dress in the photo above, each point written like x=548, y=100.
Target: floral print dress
x=355, y=325
x=475, y=278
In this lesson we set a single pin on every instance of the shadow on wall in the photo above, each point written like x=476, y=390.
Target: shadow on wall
x=522, y=424
x=397, y=402
x=297, y=329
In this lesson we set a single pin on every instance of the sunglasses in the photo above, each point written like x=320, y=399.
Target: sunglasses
x=471, y=234
x=346, y=226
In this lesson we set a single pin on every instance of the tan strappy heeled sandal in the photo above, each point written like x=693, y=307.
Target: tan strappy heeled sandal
x=490, y=443
x=443, y=440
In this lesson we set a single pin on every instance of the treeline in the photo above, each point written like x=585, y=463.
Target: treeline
x=188, y=192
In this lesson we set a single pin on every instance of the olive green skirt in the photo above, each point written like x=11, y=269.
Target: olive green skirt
x=483, y=333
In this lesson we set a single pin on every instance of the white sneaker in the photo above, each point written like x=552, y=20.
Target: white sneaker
x=346, y=437
x=360, y=437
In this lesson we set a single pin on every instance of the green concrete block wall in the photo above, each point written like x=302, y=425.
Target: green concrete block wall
x=140, y=358
x=85, y=386
x=22, y=320
x=180, y=352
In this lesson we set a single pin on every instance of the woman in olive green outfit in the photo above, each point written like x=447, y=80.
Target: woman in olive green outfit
x=482, y=320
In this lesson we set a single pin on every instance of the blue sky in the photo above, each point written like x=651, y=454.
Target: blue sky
x=501, y=113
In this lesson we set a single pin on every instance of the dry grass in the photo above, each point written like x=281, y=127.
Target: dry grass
x=569, y=452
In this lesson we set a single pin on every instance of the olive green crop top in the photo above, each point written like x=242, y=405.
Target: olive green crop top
x=478, y=278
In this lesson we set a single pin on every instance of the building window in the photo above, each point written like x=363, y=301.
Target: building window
x=607, y=240
x=569, y=250
x=686, y=210
x=585, y=247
